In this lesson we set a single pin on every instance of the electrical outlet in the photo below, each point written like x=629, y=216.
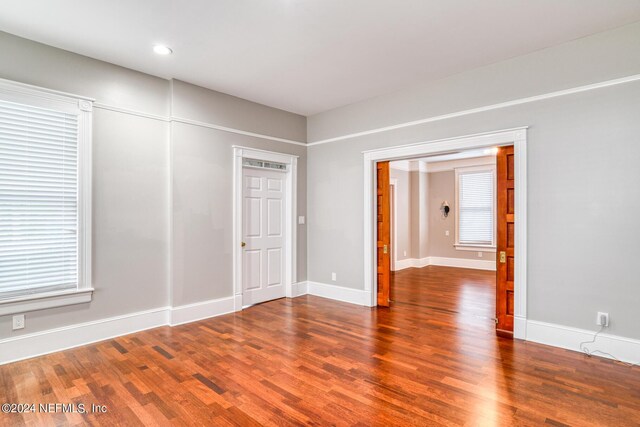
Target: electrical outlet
x=18, y=321
x=602, y=319
x=446, y=233
x=301, y=220
x=479, y=254
x=405, y=253
x=334, y=276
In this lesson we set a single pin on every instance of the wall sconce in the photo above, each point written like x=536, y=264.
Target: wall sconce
x=444, y=209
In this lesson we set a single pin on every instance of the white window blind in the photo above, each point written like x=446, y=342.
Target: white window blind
x=38, y=200
x=475, y=208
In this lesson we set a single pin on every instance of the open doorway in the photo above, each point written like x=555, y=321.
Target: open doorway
x=456, y=233
x=445, y=233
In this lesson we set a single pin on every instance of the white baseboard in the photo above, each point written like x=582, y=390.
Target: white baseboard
x=520, y=327
x=52, y=340
x=339, y=293
x=411, y=263
x=299, y=289
x=201, y=310
x=476, y=264
x=625, y=349
x=58, y=339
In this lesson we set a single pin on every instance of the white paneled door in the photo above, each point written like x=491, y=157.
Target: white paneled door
x=263, y=227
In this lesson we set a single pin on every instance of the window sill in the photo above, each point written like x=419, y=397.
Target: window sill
x=45, y=300
x=475, y=248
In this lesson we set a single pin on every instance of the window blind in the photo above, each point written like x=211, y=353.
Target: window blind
x=475, y=209
x=38, y=200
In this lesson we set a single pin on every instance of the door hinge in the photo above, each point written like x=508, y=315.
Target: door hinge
x=495, y=319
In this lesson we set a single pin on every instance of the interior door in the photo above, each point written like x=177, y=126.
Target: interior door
x=505, y=245
x=263, y=225
x=384, y=234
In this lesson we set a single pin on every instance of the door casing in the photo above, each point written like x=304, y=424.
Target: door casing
x=290, y=238
x=516, y=137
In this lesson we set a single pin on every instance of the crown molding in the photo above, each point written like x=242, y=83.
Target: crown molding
x=490, y=107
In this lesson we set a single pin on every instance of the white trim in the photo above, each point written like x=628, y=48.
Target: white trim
x=339, y=293
x=58, y=339
x=52, y=340
x=474, y=248
x=517, y=137
x=412, y=263
x=624, y=349
x=42, y=301
x=200, y=310
x=291, y=209
x=409, y=166
x=132, y=112
x=490, y=107
x=471, y=169
x=450, y=165
x=299, y=289
x=403, y=264
x=174, y=119
x=41, y=92
x=476, y=264
x=82, y=107
x=237, y=131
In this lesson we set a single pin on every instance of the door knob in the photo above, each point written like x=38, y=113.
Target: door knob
x=503, y=257
x=385, y=249
x=243, y=244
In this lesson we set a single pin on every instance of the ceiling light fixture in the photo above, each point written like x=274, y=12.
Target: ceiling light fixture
x=162, y=50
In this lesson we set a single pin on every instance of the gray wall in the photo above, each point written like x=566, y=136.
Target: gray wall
x=442, y=186
x=403, y=213
x=203, y=183
x=130, y=175
x=131, y=170
x=420, y=214
x=608, y=55
x=583, y=156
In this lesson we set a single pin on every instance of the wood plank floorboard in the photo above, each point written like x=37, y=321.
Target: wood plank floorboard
x=431, y=359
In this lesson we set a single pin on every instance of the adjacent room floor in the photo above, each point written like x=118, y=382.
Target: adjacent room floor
x=315, y=361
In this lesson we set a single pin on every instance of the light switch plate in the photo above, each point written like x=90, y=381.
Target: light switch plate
x=301, y=220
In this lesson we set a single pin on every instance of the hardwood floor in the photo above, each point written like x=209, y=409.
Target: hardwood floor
x=432, y=359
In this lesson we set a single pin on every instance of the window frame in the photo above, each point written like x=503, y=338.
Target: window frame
x=473, y=246
x=82, y=107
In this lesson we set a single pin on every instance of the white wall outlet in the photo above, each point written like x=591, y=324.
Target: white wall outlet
x=18, y=321
x=301, y=220
x=405, y=253
x=446, y=233
x=602, y=319
x=479, y=254
x=334, y=276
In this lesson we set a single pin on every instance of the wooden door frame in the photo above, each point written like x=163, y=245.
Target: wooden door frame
x=290, y=235
x=516, y=137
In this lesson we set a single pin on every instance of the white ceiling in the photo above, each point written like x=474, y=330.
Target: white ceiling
x=308, y=56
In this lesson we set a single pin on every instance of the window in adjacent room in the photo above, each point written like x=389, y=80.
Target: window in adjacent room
x=475, y=208
x=45, y=180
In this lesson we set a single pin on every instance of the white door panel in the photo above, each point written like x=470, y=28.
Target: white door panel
x=274, y=217
x=262, y=231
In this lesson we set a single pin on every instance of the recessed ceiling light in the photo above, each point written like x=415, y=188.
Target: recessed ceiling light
x=162, y=50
